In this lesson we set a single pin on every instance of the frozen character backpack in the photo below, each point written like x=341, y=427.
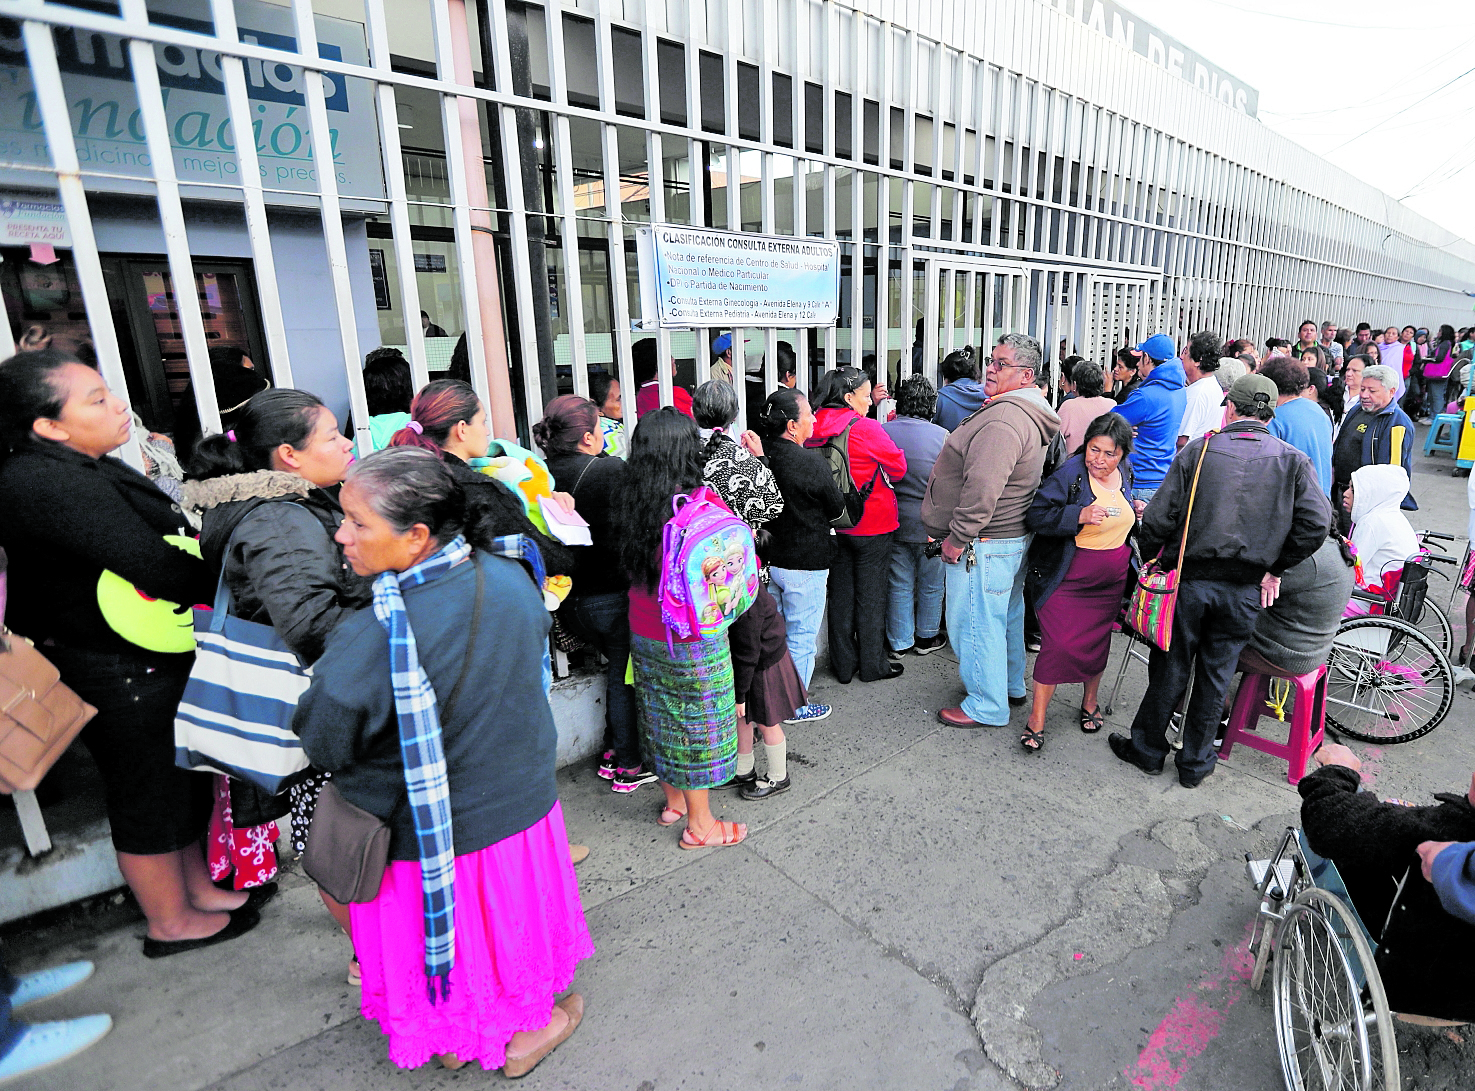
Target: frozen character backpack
x=709, y=567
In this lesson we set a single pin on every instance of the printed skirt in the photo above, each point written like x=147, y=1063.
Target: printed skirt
x=688, y=714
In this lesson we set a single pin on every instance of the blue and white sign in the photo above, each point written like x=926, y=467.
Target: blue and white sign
x=698, y=277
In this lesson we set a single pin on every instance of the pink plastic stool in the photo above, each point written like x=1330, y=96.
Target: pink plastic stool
x=1308, y=721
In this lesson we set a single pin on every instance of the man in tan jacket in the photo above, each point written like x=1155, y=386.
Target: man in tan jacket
x=976, y=499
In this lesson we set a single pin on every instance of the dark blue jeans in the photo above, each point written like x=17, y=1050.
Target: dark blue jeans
x=11, y=1028
x=1214, y=620
x=604, y=621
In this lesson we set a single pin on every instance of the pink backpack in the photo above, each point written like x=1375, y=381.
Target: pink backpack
x=709, y=567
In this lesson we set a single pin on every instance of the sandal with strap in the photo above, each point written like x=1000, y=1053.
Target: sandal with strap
x=1092, y=722
x=1033, y=741
x=670, y=816
x=729, y=833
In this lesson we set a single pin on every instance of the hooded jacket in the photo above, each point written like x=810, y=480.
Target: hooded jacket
x=1259, y=507
x=870, y=447
x=283, y=567
x=984, y=479
x=1425, y=956
x=1156, y=409
x=958, y=400
x=1380, y=531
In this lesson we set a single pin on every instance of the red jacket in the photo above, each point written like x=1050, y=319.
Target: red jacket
x=870, y=447
x=648, y=397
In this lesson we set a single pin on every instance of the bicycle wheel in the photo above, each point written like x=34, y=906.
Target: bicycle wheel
x=1332, y=1022
x=1433, y=622
x=1387, y=682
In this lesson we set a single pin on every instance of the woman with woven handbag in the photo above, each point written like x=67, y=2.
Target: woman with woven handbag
x=72, y=513
x=475, y=924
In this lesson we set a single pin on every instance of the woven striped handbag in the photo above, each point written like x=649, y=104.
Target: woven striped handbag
x=1150, y=612
x=236, y=713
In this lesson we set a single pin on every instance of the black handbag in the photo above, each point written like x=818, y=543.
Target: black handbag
x=347, y=847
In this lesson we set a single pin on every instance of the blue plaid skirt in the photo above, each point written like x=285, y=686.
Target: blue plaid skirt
x=688, y=718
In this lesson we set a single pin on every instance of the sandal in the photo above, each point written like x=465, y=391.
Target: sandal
x=1092, y=722
x=1033, y=741
x=729, y=833
x=670, y=816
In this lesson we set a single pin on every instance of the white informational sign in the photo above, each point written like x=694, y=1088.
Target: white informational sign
x=107, y=125
x=25, y=220
x=698, y=277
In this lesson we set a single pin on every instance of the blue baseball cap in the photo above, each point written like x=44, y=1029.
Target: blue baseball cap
x=1159, y=347
x=722, y=344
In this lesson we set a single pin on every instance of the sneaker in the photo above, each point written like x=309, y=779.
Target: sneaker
x=1032, y=643
x=44, y=984
x=765, y=788
x=627, y=780
x=607, y=765
x=928, y=644
x=809, y=714
x=893, y=655
x=46, y=1044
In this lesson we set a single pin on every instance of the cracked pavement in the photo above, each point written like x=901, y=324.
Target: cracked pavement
x=927, y=908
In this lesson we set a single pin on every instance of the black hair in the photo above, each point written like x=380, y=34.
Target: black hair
x=836, y=385
x=1114, y=427
x=1127, y=358
x=788, y=361
x=714, y=405
x=962, y=364
x=778, y=409
x=1289, y=376
x=460, y=368
x=226, y=356
x=665, y=461
x=1276, y=343
x=1203, y=350
x=599, y=384
x=1306, y=322
x=1364, y=326
x=409, y=485
x=1068, y=367
x=643, y=360
x=30, y=390
x=1317, y=353
x=263, y=424
x=1089, y=380
x=388, y=386
x=1446, y=333
x=567, y=419
x=916, y=397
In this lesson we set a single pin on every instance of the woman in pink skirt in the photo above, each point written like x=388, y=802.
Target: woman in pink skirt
x=476, y=926
x=1078, y=566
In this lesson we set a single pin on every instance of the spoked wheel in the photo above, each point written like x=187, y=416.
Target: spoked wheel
x=1433, y=622
x=1387, y=682
x=1331, y=1015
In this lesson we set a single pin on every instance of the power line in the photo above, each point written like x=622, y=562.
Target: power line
x=1406, y=109
x=1382, y=98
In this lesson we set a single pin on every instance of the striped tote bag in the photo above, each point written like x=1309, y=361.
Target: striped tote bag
x=236, y=713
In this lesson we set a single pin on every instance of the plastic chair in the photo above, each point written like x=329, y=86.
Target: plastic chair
x=1444, y=433
x=1308, y=721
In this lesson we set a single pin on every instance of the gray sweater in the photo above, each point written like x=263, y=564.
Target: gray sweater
x=1296, y=632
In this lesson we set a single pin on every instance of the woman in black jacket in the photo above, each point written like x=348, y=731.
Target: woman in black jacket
x=267, y=494
x=798, y=553
x=1077, y=569
x=71, y=513
x=448, y=419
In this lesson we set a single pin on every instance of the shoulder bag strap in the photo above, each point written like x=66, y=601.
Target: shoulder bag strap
x=574, y=492
x=470, y=640
x=1192, y=492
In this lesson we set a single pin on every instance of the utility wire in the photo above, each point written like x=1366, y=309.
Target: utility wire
x=1406, y=109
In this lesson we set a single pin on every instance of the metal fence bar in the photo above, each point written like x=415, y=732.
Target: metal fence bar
x=620, y=341
x=571, y=298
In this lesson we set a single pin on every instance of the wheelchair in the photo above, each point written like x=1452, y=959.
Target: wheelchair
x=1389, y=678
x=1333, y=1026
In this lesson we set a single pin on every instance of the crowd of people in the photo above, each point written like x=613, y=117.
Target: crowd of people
x=1271, y=480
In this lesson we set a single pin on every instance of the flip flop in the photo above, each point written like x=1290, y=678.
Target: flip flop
x=1092, y=722
x=728, y=834
x=670, y=817
x=1033, y=741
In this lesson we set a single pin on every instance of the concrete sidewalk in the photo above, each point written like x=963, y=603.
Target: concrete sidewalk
x=927, y=908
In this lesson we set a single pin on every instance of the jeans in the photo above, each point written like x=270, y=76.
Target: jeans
x=985, y=624
x=1145, y=495
x=915, y=607
x=1213, y=621
x=1439, y=394
x=604, y=621
x=11, y=1028
x=800, y=594
x=857, y=602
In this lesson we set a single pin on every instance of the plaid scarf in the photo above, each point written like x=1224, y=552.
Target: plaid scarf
x=424, y=759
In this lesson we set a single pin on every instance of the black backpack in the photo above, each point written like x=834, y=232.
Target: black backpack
x=835, y=450
x=1055, y=454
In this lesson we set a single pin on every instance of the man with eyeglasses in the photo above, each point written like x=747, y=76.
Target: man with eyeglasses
x=976, y=499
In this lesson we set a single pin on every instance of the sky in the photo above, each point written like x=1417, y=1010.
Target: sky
x=1344, y=77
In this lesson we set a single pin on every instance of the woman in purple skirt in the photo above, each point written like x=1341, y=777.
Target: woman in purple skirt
x=1078, y=567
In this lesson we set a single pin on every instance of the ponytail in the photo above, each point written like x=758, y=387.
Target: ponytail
x=267, y=420
x=438, y=408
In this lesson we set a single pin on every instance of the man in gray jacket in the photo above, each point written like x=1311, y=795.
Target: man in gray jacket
x=976, y=499
x=1259, y=510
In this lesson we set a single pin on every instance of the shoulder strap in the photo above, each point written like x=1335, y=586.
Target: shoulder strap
x=470, y=640
x=574, y=492
x=1193, y=492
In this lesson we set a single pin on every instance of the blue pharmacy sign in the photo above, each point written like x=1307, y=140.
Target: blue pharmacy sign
x=694, y=277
